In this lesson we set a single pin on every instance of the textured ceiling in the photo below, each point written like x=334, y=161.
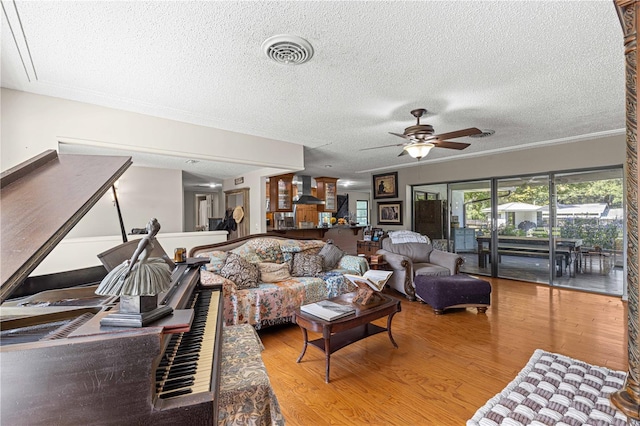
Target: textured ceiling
x=535, y=72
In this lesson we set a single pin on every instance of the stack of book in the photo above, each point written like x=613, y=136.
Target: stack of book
x=327, y=310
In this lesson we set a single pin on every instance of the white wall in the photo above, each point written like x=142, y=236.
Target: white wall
x=580, y=154
x=77, y=253
x=143, y=193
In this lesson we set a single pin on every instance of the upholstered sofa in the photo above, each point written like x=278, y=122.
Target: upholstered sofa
x=410, y=259
x=273, y=300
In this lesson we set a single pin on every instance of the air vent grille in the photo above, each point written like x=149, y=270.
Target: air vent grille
x=287, y=49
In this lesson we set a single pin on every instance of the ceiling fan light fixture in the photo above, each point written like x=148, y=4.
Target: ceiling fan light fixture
x=418, y=150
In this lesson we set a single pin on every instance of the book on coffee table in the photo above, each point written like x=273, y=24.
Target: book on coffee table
x=375, y=279
x=327, y=310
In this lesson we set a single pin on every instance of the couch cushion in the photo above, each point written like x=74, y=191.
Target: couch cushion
x=430, y=269
x=357, y=265
x=217, y=259
x=247, y=252
x=240, y=271
x=417, y=252
x=306, y=265
x=290, y=247
x=273, y=272
x=267, y=249
x=208, y=279
x=258, y=250
x=331, y=255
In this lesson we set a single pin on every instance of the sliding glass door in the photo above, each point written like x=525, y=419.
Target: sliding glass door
x=563, y=229
x=507, y=237
x=590, y=222
x=523, y=232
x=470, y=219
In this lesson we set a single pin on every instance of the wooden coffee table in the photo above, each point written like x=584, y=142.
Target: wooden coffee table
x=344, y=331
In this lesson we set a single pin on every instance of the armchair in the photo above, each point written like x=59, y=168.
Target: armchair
x=410, y=259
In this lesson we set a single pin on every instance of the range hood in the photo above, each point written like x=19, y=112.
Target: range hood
x=306, y=197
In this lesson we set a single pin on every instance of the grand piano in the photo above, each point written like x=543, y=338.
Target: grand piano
x=58, y=365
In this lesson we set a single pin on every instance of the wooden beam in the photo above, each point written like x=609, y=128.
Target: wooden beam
x=628, y=399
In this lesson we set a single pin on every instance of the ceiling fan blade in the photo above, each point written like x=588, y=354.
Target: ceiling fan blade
x=401, y=135
x=458, y=133
x=450, y=145
x=404, y=152
x=383, y=146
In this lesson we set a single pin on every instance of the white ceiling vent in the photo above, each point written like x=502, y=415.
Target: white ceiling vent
x=287, y=49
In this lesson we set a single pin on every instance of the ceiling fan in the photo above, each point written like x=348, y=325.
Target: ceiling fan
x=420, y=138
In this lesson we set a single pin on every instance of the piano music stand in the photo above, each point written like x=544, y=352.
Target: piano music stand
x=118, y=254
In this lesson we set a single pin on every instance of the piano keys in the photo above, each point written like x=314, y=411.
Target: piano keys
x=186, y=364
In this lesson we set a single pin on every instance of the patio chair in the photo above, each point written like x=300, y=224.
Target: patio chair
x=602, y=257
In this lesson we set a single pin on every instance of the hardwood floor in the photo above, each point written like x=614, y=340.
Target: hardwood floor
x=446, y=366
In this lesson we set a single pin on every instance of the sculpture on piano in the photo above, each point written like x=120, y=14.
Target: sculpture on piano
x=141, y=275
x=138, y=281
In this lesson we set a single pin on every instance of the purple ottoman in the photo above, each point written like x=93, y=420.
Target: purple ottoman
x=453, y=291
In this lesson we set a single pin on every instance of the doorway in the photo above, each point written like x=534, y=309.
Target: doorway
x=204, y=209
x=237, y=201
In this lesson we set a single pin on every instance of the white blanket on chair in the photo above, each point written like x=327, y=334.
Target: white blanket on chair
x=398, y=237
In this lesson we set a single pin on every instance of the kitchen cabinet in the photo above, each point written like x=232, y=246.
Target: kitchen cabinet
x=281, y=193
x=327, y=189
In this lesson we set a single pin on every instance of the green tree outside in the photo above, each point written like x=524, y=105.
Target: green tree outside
x=593, y=231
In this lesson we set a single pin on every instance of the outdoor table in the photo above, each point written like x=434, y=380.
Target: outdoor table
x=530, y=246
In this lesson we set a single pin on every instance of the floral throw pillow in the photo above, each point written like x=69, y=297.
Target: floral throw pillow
x=247, y=252
x=241, y=272
x=290, y=247
x=306, y=265
x=266, y=249
x=331, y=255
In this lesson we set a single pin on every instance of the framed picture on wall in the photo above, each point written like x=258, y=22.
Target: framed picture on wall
x=385, y=186
x=390, y=213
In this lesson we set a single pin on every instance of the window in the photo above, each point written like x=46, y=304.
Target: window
x=362, y=212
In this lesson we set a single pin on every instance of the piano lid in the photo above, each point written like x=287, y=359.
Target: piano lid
x=42, y=199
